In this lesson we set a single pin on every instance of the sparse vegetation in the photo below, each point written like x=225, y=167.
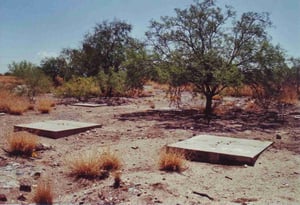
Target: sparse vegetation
x=22, y=144
x=92, y=165
x=109, y=161
x=85, y=165
x=171, y=161
x=45, y=105
x=43, y=194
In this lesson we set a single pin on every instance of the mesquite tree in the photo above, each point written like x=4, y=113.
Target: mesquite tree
x=208, y=47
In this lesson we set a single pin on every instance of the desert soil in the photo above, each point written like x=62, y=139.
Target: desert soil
x=138, y=133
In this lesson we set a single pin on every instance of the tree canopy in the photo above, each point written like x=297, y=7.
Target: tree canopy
x=207, y=46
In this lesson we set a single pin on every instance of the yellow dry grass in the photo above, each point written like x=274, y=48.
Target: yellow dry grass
x=109, y=161
x=45, y=105
x=22, y=144
x=91, y=164
x=171, y=161
x=13, y=104
x=289, y=95
x=85, y=165
x=43, y=193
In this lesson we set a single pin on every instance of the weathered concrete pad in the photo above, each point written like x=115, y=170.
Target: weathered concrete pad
x=56, y=128
x=89, y=104
x=224, y=150
x=2, y=113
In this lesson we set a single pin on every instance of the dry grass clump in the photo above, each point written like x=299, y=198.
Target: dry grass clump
x=92, y=165
x=43, y=193
x=85, y=165
x=289, y=95
x=13, y=104
x=45, y=105
x=22, y=144
x=18, y=106
x=171, y=161
x=244, y=91
x=109, y=161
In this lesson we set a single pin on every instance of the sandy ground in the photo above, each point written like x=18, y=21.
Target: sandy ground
x=137, y=134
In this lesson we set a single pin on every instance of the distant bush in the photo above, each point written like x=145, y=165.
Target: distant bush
x=35, y=80
x=113, y=83
x=79, y=87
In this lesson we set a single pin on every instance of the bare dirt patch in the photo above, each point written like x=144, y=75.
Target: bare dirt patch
x=137, y=133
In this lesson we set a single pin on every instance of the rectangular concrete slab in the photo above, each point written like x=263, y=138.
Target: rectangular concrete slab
x=89, y=104
x=215, y=149
x=2, y=113
x=56, y=128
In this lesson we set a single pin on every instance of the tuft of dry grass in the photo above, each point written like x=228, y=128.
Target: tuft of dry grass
x=171, y=161
x=13, y=104
x=22, y=144
x=109, y=161
x=43, y=193
x=85, y=165
x=45, y=105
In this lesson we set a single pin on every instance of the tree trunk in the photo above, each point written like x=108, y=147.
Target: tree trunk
x=208, y=106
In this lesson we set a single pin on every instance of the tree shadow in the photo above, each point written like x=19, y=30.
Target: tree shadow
x=233, y=121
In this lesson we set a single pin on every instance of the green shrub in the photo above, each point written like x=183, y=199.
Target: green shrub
x=80, y=88
x=113, y=83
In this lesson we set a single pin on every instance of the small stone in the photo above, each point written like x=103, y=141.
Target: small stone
x=36, y=175
x=21, y=197
x=3, y=197
x=25, y=187
x=278, y=136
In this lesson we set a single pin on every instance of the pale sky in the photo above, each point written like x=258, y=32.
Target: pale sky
x=33, y=29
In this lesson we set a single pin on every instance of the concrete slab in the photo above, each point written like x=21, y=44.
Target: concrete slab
x=224, y=150
x=2, y=113
x=56, y=128
x=89, y=104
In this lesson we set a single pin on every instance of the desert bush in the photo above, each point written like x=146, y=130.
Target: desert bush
x=45, y=105
x=109, y=161
x=22, y=144
x=113, y=83
x=35, y=80
x=43, y=193
x=79, y=87
x=171, y=161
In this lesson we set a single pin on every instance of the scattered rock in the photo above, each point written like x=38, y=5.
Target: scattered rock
x=41, y=147
x=134, y=147
x=36, y=175
x=3, y=197
x=22, y=197
x=278, y=136
x=25, y=186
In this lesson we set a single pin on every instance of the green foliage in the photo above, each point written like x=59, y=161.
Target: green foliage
x=196, y=46
x=79, y=87
x=269, y=76
x=55, y=67
x=35, y=79
x=113, y=83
